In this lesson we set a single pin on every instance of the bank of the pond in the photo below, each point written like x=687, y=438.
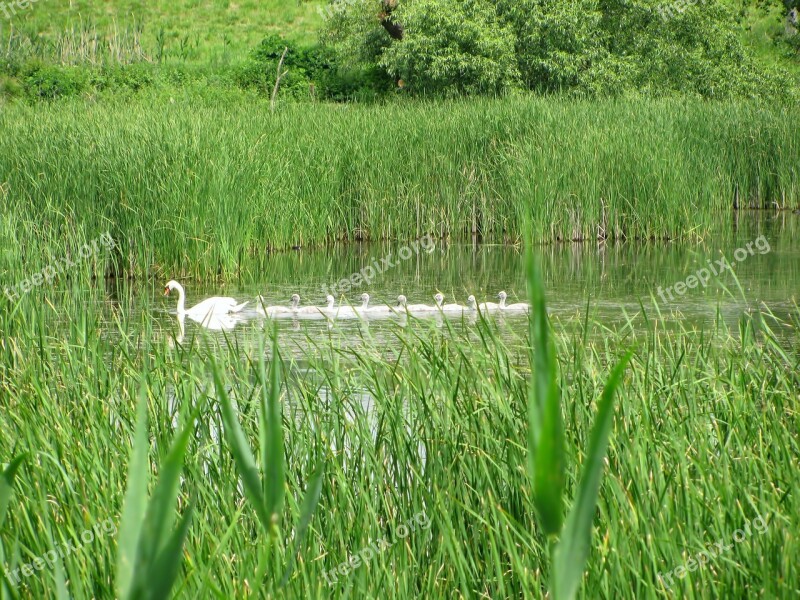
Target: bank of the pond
x=195, y=187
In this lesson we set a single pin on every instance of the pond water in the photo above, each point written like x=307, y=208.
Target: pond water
x=615, y=280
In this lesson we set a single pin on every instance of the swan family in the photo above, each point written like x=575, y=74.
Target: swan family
x=222, y=308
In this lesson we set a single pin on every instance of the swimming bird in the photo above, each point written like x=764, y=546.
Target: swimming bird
x=379, y=310
x=304, y=311
x=517, y=306
x=271, y=311
x=446, y=308
x=217, y=305
x=414, y=308
x=330, y=307
x=487, y=306
x=401, y=303
x=364, y=301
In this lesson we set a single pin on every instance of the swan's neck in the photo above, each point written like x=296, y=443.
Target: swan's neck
x=366, y=302
x=181, y=299
x=330, y=304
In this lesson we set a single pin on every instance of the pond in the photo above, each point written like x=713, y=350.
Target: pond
x=757, y=265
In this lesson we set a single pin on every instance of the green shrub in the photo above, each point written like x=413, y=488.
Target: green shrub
x=311, y=73
x=49, y=82
x=453, y=48
x=10, y=87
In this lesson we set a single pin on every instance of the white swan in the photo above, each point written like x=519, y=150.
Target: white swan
x=329, y=310
x=487, y=306
x=402, y=305
x=360, y=311
x=305, y=312
x=378, y=310
x=218, y=305
x=516, y=307
x=271, y=311
x=446, y=308
x=350, y=312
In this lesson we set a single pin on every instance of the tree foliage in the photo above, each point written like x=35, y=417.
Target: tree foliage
x=585, y=47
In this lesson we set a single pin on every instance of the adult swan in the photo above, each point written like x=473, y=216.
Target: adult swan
x=209, y=307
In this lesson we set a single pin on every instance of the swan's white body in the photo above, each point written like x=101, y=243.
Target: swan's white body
x=516, y=307
x=329, y=310
x=490, y=306
x=447, y=308
x=208, y=308
x=414, y=308
x=379, y=310
x=272, y=311
x=363, y=310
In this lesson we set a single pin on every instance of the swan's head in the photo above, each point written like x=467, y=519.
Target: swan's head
x=295, y=300
x=401, y=300
x=471, y=301
x=365, y=298
x=330, y=300
x=439, y=299
x=502, y=296
x=171, y=286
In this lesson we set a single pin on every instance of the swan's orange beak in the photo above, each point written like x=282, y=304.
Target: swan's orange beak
x=166, y=291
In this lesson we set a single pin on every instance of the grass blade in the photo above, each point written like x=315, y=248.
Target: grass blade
x=240, y=449
x=573, y=547
x=160, y=514
x=272, y=443
x=7, y=485
x=132, y=519
x=546, y=459
x=307, y=511
x=165, y=568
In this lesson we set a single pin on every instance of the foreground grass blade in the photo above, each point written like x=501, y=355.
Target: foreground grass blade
x=573, y=547
x=271, y=436
x=160, y=515
x=546, y=459
x=7, y=485
x=150, y=552
x=240, y=449
x=309, y=506
x=165, y=568
x=130, y=527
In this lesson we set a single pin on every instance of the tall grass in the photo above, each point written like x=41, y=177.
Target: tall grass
x=705, y=439
x=205, y=187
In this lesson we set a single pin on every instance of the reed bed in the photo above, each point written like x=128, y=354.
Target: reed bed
x=202, y=188
x=705, y=440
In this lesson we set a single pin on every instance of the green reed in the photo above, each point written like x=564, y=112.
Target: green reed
x=207, y=188
x=705, y=439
